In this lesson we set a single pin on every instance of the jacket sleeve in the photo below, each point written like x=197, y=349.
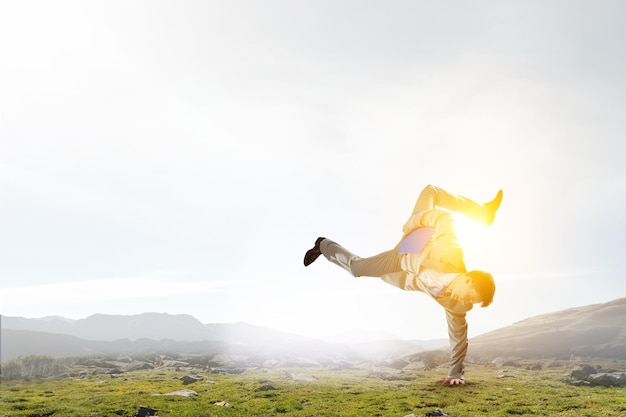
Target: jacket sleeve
x=457, y=332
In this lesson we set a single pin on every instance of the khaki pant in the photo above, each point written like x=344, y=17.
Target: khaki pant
x=446, y=251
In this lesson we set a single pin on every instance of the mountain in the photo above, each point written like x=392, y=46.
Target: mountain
x=27, y=342
x=597, y=330
x=23, y=342
x=155, y=333
x=112, y=327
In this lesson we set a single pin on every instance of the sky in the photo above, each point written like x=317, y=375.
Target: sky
x=180, y=157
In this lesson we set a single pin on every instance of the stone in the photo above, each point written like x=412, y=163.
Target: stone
x=187, y=379
x=180, y=393
x=137, y=366
x=608, y=379
x=579, y=383
x=145, y=412
x=582, y=371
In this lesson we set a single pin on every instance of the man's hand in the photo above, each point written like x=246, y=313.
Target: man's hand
x=452, y=381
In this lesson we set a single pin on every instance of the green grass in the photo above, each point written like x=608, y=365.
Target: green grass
x=521, y=392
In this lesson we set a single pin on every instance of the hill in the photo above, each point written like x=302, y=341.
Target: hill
x=597, y=330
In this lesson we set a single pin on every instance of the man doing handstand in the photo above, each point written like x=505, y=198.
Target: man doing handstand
x=429, y=258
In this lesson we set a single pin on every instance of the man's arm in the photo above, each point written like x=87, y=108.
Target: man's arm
x=457, y=332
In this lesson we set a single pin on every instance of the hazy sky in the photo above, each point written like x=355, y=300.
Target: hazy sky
x=182, y=156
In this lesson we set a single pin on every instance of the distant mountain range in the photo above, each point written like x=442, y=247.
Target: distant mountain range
x=597, y=330
x=151, y=333
x=156, y=326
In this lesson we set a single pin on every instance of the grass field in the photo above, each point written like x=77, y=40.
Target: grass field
x=490, y=391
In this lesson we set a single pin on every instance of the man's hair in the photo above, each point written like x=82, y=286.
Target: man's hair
x=484, y=285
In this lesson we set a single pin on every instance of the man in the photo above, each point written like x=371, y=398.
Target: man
x=429, y=258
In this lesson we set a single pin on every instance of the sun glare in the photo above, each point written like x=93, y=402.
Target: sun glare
x=471, y=235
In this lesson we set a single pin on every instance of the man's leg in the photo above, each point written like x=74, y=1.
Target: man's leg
x=432, y=197
x=444, y=253
x=374, y=266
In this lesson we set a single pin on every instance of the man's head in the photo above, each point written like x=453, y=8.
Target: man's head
x=473, y=287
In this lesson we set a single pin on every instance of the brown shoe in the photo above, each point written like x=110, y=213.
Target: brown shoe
x=312, y=254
